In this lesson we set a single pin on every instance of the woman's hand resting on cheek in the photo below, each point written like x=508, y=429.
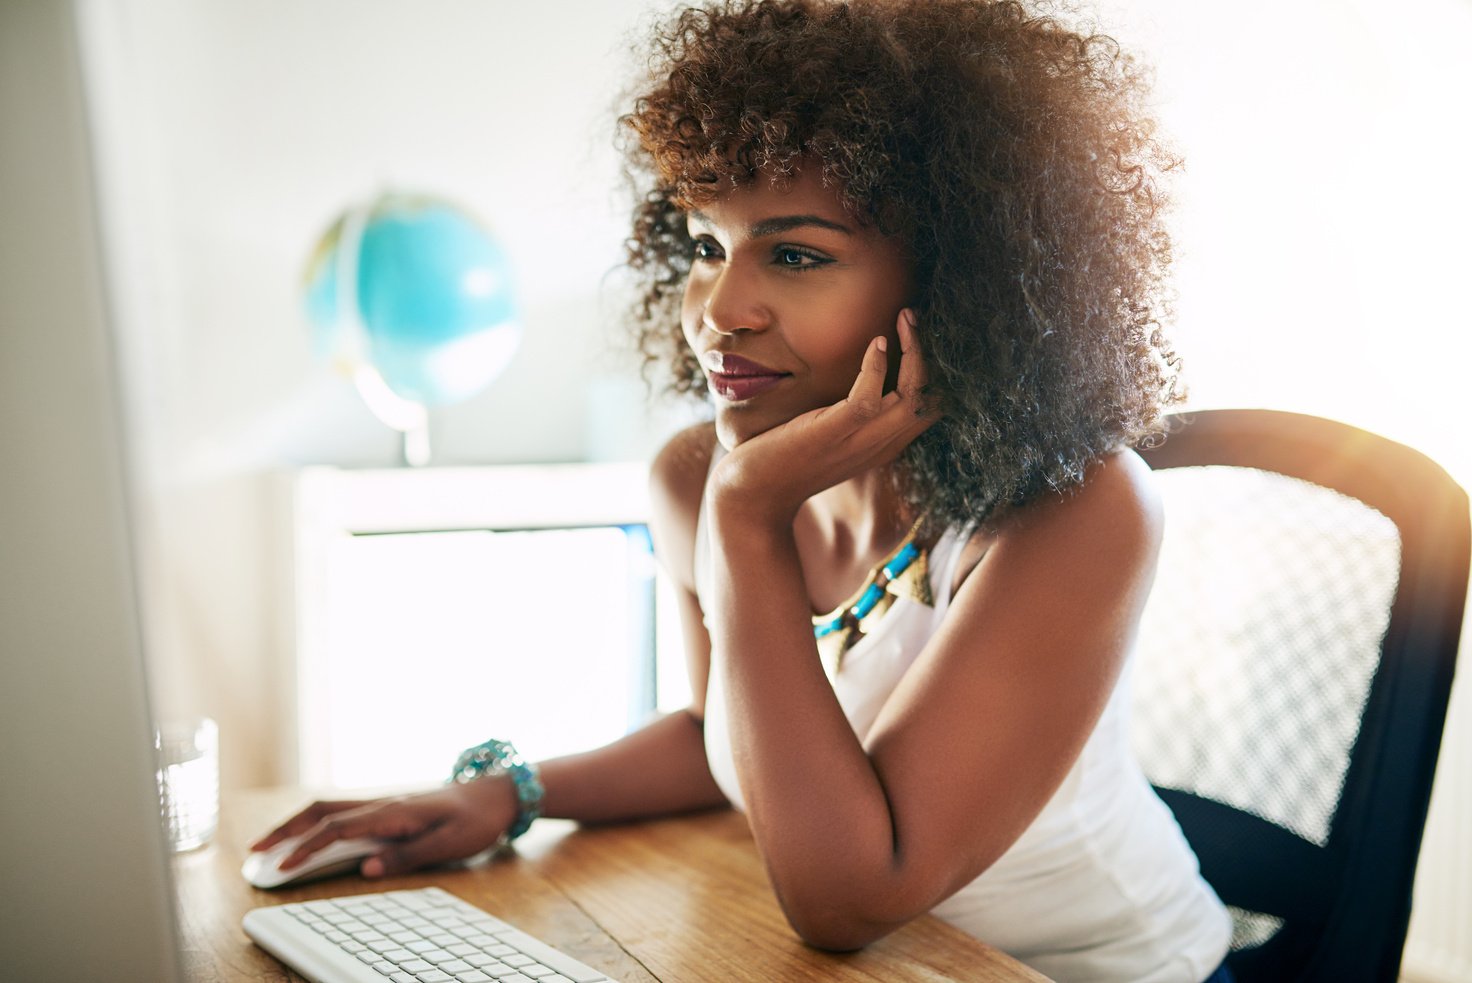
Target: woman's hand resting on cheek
x=768, y=477
x=427, y=829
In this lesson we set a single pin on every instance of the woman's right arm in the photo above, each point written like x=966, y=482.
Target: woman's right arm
x=657, y=770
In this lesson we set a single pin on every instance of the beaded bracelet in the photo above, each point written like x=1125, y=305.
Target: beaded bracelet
x=501, y=758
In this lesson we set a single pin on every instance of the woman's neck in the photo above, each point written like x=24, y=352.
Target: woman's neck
x=859, y=518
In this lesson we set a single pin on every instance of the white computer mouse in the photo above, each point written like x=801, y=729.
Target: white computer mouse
x=338, y=857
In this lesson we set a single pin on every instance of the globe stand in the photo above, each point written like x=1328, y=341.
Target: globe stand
x=415, y=449
x=409, y=418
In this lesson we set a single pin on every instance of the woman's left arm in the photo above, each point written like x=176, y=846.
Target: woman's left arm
x=861, y=836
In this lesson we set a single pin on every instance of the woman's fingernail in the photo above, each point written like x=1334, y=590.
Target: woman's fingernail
x=883, y=343
x=372, y=867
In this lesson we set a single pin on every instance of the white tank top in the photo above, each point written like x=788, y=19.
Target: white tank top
x=1101, y=887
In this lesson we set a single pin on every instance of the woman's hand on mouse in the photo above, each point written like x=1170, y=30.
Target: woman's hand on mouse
x=773, y=473
x=426, y=829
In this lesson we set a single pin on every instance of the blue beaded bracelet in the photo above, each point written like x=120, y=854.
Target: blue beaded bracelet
x=501, y=758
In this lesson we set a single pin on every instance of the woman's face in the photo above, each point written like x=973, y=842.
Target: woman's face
x=785, y=293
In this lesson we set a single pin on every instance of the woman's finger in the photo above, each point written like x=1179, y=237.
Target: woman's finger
x=371, y=821
x=912, y=375
x=303, y=821
x=868, y=389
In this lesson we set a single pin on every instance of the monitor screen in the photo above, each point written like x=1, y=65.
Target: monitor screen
x=437, y=607
x=434, y=641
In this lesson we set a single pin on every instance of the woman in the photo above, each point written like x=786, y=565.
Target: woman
x=911, y=250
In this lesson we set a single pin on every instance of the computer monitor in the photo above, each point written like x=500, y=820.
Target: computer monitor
x=84, y=871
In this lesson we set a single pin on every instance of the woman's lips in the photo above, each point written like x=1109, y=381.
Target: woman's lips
x=739, y=387
x=736, y=378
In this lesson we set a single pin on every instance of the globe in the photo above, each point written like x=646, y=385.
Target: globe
x=412, y=294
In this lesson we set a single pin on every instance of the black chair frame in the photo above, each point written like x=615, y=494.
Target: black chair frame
x=1345, y=906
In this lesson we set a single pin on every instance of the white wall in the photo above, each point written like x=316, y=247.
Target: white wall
x=232, y=134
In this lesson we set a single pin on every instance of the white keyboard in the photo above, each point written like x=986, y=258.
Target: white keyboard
x=423, y=936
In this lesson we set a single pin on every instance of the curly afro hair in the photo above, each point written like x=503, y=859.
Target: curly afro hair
x=1011, y=155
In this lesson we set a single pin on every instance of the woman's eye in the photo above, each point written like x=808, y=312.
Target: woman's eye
x=705, y=249
x=798, y=259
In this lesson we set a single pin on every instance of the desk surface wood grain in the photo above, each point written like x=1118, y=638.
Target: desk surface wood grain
x=681, y=899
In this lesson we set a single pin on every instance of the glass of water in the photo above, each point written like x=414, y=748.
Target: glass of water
x=189, y=781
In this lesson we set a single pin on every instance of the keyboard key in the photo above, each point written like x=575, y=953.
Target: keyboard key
x=485, y=962
x=403, y=977
x=473, y=976
x=537, y=971
x=417, y=966
x=548, y=956
x=435, y=976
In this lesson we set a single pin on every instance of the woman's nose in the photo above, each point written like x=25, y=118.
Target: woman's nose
x=734, y=303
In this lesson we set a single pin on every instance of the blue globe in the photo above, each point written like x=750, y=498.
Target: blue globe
x=429, y=299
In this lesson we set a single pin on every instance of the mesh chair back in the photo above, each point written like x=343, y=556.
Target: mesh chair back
x=1295, y=661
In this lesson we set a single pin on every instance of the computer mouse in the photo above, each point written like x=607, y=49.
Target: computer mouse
x=338, y=857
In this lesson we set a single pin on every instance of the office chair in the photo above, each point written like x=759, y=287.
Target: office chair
x=1295, y=660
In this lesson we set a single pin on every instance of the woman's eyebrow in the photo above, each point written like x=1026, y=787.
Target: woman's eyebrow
x=781, y=223
x=784, y=223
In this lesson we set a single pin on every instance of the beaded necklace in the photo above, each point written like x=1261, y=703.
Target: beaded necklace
x=903, y=574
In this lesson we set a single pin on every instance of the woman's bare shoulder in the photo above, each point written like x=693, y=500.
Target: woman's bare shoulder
x=676, y=485
x=1115, y=508
x=677, y=476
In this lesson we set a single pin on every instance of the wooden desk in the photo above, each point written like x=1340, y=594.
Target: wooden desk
x=670, y=900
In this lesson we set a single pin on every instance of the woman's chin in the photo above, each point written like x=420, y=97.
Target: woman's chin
x=729, y=436
x=734, y=428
